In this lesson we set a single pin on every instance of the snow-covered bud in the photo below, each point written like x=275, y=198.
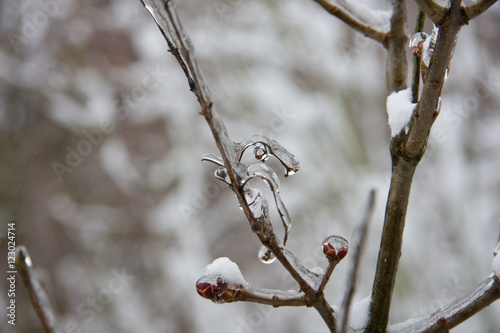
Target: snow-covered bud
x=221, y=282
x=335, y=247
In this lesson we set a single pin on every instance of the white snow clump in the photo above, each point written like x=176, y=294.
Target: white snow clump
x=358, y=318
x=226, y=269
x=399, y=110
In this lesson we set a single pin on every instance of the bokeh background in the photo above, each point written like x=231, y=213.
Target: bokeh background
x=100, y=146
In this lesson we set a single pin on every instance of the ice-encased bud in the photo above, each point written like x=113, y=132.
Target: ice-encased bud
x=335, y=247
x=266, y=256
x=217, y=290
x=206, y=290
x=416, y=43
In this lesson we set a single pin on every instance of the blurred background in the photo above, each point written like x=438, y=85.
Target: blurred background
x=100, y=146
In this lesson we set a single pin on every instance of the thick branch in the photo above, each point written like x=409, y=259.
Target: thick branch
x=355, y=21
x=391, y=243
x=39, y=298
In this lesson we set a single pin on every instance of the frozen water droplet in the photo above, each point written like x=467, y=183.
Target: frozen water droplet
x=260, y=152
x=266, y=256
x=335, y=247
x=290, y=172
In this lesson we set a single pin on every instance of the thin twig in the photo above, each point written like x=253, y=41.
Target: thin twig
x=354, y=21
x=38, y=297
x=417, y=61
x=358, y=252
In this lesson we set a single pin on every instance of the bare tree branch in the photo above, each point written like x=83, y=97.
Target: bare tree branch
x=38, y=297
x=391, y=242
x=354, y=19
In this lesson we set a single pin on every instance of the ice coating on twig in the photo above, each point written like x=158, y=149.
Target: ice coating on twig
x=264, y=147
x=245, y=172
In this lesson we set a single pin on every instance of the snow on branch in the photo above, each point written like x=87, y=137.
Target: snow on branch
x=399, y=110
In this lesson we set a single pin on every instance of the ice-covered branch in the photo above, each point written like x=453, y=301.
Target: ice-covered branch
x=38, y=297
x=371, y=23
x=236, y=174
